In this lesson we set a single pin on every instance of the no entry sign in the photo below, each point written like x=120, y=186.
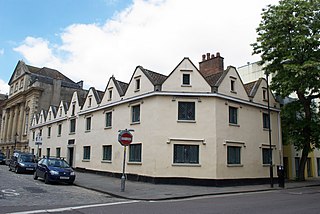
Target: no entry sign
x=125, y=137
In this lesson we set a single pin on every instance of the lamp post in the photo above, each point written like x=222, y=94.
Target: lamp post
x=269, y=123
x=15, y=141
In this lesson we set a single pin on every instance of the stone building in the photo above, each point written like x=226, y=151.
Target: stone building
x=197, y=126
x=31, y=89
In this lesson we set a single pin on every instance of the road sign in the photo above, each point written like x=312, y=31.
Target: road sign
x=125, y=137
x=38, y=140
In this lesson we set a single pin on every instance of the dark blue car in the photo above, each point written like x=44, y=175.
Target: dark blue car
x=54, y=170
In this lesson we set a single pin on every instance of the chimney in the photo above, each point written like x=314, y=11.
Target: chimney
x=211, y=65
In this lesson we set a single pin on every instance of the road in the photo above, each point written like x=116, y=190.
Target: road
x=19, y=192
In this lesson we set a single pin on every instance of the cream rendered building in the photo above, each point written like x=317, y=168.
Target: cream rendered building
x=193, y=126
x=291, y=157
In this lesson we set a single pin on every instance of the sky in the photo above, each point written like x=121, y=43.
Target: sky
x=91, y=40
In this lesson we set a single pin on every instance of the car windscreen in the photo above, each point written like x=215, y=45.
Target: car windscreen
x=58, y=163
x=27, y=158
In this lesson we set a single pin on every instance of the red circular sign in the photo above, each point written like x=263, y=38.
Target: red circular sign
x=125, y=138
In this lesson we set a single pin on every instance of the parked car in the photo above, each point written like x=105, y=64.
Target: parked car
x=22, y=162
x=54, y=170
x=2, y=158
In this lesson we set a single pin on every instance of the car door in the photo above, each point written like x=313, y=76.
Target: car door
x=41, y=168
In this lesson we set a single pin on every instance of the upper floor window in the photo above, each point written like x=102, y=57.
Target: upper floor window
x=86, y=152
x=49, y=131
x=135, y=114
x=186, y=111
x=49, y=115
x=88, y=123
x=72, y=125
x=186, y=154
x=232, y=85
x=110, y=95
x=90, y=101
x=21, y=83
x=16, y=87
x=233, y=115
x=186, y=79
x=137, y=84
x=60, y=111
x=73, y=109
x=59, y=129
x=264, y=94
x=265, y=119
x=109, y=119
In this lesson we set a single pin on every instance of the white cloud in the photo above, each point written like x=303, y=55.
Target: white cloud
x=4, y=88
x=156, y=34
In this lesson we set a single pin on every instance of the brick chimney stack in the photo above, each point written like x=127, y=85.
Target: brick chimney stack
x=211, y=64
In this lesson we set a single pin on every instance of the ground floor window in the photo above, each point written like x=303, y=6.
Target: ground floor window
x=266, y=156
x=58, y=152
x=135, y=152
x=234, y=155
x=107, y=152
x=48, y=152
x=318, y=164
x=296, y=163
x=86, y=153
x=186, y=154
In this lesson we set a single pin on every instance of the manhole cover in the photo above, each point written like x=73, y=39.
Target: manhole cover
x=35, y=190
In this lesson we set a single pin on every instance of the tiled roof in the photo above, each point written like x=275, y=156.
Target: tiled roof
x=251, y=87
x=97, y=94
x=214, y=78
x=154, y=77
x=121, y=86
x=48, y=72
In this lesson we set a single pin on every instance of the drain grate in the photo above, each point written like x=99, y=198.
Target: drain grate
x=35, y=190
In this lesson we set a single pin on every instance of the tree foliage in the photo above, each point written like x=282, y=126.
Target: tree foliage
x=289, y=44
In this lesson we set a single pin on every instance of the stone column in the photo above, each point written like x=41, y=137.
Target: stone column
x=15, y=122
x=5, y=133
x=20, y=122
x=4, y=125
x=9, y=130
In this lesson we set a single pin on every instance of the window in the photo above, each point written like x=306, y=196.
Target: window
x=110, y=95
x=265, y=118
x=266, y=156
x=60, y=112
x=107, y=152
x=186, y=154
x=233, y=115
x=48, y=152
x=186, y=111
x=233, y=155
x=135, y=153
x=58, y=152
x=109, y=119
x=73, y=109
x=136, y=114
x=33, y=135
x=264, y=94
x=185, y=79
x=72, y=125
x=49, y=131
x=232, y=85
x=86, y=153
x=40, y=132
x=90, y=101
x=21, y=84
x=26, y=125
x=49, y=115
x=59, y=129
x=88, y=123
x=137, y=84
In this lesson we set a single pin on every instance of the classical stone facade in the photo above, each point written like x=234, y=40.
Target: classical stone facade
x=31, y=89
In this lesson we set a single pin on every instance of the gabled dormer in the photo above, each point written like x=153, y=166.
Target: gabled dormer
x=34, y=120
x=51, y=115
x=62, y=109
x=258, y=93
x=185, y=77
x=42, y=117
x=144, y=81
x=93, y=99
x=229, y=83
x=74, y=106
x=18, y=79
x=115, y=89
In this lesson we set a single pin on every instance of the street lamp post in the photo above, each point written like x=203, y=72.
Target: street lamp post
x=15, y=141
x=269, y=123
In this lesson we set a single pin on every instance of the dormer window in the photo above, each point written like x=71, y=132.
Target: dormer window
x=73, y=109
x=186, y=79
x=232, y=85
x=264, y=94
x=21, y=84
x=89, y=101
x=49, y=115
x=137, y=84
x=60, y=112
x=110, y=94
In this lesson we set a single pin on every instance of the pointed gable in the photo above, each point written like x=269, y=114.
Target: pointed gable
x=114, y=90
x=141, y=82
x=230, y=84
x=52, y=111
x=186, y=78
x=258, y=92
x=62, y=109
x=74, y=106
x=92, y=100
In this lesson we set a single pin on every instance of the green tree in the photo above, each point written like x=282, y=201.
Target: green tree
x=288, y=43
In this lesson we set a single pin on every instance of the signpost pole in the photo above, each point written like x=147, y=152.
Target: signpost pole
x=123, y=177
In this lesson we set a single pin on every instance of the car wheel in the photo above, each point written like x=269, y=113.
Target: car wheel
x=35, y=176
x=70, y=182
x=46, y=179
x=9, y=168
x=16, y=170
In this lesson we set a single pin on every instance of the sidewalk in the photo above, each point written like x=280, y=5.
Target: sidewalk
x=147, y=191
